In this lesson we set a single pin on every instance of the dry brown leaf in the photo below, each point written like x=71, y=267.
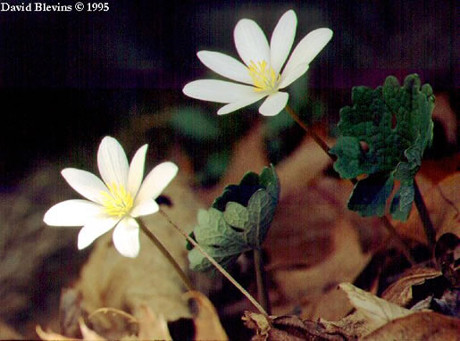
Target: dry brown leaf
x=374, y=308
x=152, y=326
x=291, y=328
x=443, y=203
x=52, y=336
x=88, y=334
x=400, y=292
x=207, y=323
x=305, y=164
x=306, y=287
x=371, y=312
x=418, y=326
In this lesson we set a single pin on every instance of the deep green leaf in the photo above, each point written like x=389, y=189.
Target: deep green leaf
x=384, y=135
x=370, y=195
x=238, y=220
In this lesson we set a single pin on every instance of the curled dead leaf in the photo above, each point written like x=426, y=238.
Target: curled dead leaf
x=152, y=326
x=207, y=323
x=88, y=334
x=419, y=326
x=291, y=328
x=376, y=309
x=401, y=293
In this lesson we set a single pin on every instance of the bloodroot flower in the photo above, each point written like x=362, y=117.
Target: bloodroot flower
x=262, y=66
x=114, y=201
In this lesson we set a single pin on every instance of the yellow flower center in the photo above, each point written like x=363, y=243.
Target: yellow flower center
x=117, y=202
x=263, y=76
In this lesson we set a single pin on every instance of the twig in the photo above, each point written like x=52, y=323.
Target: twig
x=321, y=143
x=216, y=265
x=166, y=253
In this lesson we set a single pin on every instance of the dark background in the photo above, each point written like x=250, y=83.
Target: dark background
x=70, y=78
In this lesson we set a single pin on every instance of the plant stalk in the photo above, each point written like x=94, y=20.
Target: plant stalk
x=261, y=280
x=216, y=265
x=319, y=141
x=167, y=255
x=324, y=146
x=430, y=232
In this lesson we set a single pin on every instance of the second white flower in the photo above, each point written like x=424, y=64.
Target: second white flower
x=262, y=66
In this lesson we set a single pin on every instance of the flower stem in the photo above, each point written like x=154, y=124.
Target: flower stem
x=430, y=232
x=167, y=255
x=323, y=145
x=216, y=265
x=262, y=292
x=319, y=141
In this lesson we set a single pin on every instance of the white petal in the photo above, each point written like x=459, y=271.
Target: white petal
x=293, y=74
x=72, y=213
x=218, y=91
x=274, y=104
x=93, y=230
x=112, y=162
x=282, y=39
x=85, y=183
x=146, y=207
x=156, y=181
x=251, y=42
x=307, y=49
x=126, y=237
x=225, y=66
x=136, y=170
x=231, y=107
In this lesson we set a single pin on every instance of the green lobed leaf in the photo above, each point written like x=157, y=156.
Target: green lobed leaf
x=238, y=220
x=384, y=135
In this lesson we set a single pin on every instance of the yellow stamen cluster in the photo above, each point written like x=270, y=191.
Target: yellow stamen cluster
x=263, y=76
x=117, y=202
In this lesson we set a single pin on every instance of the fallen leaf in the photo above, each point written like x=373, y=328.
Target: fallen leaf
x=290, y=328
x=303, y=287
x=51, y=336
x=374, y=308
x=88, y=334
x=400, y=292
x=206, y=320
x=418, y=326
x=443, y=204
x=152, y=326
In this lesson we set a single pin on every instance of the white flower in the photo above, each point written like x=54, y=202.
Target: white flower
x=115, y=201
x=263, y=67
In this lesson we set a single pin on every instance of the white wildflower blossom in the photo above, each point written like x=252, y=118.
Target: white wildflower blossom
x=262, y=70
x=114, y=201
